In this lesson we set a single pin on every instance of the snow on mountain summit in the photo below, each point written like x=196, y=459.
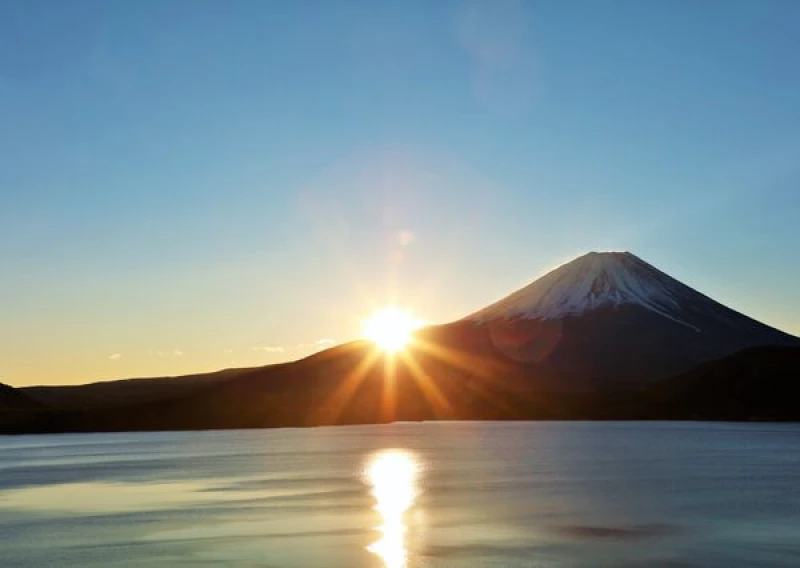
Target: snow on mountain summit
x=611, y=318
x=592, y=281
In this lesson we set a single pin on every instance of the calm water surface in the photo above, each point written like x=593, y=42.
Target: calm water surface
x=407, y=496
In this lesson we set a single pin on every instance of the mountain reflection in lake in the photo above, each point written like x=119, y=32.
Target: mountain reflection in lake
x=421, y=495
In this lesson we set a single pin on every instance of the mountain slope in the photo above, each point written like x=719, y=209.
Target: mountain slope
x=759, y=383
x=125, y=391
x=18, y=412
x=610, y=280
x=589, y=282
x=14, y=399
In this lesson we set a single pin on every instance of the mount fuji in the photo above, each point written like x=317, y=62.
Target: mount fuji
x=612, y=319
x=598, y=280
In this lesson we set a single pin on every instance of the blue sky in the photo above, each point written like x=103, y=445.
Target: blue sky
x=192, y=185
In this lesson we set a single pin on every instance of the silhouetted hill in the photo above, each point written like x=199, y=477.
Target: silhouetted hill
x=354, y=384
x=351, y=383
x=18, y=412
x=126, y=391
x=11, y=398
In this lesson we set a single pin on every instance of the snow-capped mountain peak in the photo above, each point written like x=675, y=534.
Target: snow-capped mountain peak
x=592, y=281
x=608, y=318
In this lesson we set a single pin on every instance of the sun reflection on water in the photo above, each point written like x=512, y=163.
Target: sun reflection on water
x=393, y=476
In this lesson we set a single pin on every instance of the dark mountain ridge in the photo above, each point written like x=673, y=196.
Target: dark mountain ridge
x=11, y=398
x=606, y=336
x=125, y=391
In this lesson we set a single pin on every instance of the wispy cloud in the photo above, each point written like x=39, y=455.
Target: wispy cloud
x=269, y=349
x=317, y=345
x=164, y=354
x=115, y=356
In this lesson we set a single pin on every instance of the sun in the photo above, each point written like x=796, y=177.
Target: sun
x=390, y=328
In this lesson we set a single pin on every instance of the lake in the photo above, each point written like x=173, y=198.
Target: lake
x=497, y=494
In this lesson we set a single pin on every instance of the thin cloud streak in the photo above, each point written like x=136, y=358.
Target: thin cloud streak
x=269, y=349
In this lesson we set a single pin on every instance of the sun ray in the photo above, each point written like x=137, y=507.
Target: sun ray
x=332, y=408
x=388, y=394
x=478, y=367
x=475, y=365
x=429, y=389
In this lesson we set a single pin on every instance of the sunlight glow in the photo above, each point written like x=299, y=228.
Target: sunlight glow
x=390, y=328
x=393, y=476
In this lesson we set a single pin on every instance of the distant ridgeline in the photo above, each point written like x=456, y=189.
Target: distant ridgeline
x=604, y=337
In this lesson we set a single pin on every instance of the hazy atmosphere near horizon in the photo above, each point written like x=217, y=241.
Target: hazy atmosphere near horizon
x=192, y=185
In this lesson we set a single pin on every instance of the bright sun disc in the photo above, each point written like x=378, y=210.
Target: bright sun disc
x=389, y=328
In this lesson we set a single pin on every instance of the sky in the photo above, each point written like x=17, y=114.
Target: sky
x=192, y=185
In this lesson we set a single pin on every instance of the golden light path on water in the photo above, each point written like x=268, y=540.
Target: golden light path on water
x=393, y=476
